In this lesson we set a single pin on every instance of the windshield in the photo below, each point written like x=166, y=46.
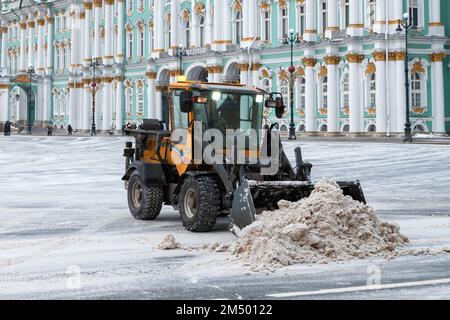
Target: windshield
x=230, y=110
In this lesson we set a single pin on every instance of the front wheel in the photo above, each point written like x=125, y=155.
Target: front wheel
x=145, y=201
x=199, y=203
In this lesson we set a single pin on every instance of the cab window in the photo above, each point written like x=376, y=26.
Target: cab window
x=179, y=119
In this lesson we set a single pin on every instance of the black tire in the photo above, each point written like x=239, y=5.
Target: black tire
x=201, y=215
x=145, y=202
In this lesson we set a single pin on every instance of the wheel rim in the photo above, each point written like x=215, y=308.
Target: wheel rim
x=137, y=194
x=190, y=203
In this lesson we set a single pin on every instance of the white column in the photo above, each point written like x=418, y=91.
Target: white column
x=226, y=32
x=107, y=102
x=158, y=104
x=391, y=89
x=40, y=44
x=49, y=64
x=380, y=95
x=380, y=17
x=97, y=22
x=245, y=19
x=46, y=108
x=244, y=73
x=310, y=117
x=151, y=94
x=252, y=21
x=23, y=42
x=310, y=34
x=438, y=101
x=174, y=22
x=356, y=27
x=332, y=63
x=354, y=101
x=435, y=25
x=400, y=92
x=119, y=103
x=158, y=22
x=193, y=32
x=87, y=48
x=218, y=25
x=31, y=24
x=120, y=31
x=4, y=44
x=87, y=108
x=332, y=19
x=108, y=54
x=208, y=22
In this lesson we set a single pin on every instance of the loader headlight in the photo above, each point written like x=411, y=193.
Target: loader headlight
x=259, y=98
x=216, y=95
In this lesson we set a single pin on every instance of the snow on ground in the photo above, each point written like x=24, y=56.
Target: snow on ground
x=63, y=209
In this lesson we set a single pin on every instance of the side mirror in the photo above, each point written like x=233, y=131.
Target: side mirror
x=186, y=104
x=276, y=104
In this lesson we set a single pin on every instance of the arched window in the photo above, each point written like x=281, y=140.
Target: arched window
x=151, y=37
x=237, y=27
x=201, y=24
x=140, y=40
x=130, y=6
x=372, y=91
x=301, y=18
x=266, y=85
x=416, y=90
x=266, y=26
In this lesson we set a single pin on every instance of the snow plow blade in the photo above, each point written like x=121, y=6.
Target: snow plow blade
x=254, y=197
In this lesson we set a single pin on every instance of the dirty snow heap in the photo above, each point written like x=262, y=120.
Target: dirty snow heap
x=327, y=226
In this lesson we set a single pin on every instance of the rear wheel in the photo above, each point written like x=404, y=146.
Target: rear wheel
x=145, y=202
x=199, y=203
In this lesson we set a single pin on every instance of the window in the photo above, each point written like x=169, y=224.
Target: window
x=324, y=16
x=129, y=49
x=301, y=16
x=266, y=26
x=414, y=9
x=129, y=100
x=141, y=41
x=347, y=13
x=416, y=90
x=372, y=13
x=151, y=36
x=346, y=92
x=325, y=93
x=284, y=23
x=238, y=27
x=284, y=89
x=140, y=100
x=303, y=94
x=202, y=31
x=266, y=85
x=179, y=119
x=372, y=91
x=167, y=32
x=130, y=6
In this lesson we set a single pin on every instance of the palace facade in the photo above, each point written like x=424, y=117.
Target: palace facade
x=349, y=60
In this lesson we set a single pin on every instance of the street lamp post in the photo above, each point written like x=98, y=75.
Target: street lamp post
x=94, y=65
x=406, y=25
x=180, y=53
x=291, y=39
x=31, y=72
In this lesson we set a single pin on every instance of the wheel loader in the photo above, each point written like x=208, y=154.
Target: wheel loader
x=164, y=168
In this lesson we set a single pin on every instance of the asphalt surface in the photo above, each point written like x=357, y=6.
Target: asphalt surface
x=66, y=232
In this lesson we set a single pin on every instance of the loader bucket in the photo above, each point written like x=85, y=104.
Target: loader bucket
x=255, y=197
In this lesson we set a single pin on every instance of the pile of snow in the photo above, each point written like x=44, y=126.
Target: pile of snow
x=323, y=228
x=169, y=243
